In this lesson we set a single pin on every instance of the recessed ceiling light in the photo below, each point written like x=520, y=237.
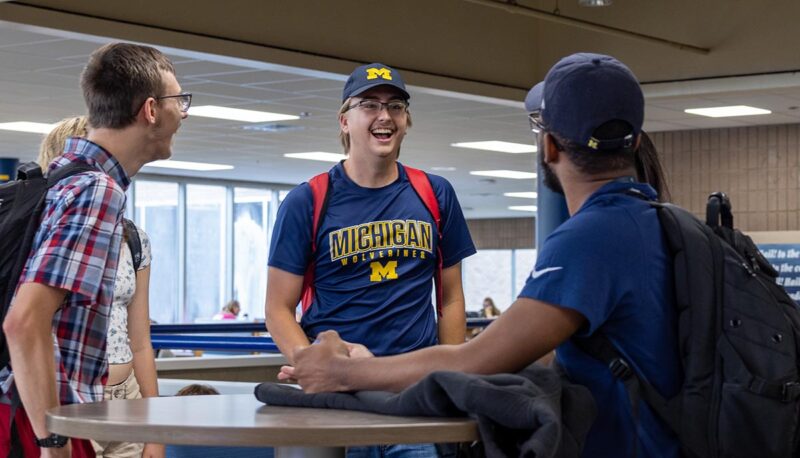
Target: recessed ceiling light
x=238, y=114
x=184, y=165
x=524, y=195
x=594, y=3
x=724, y=112
x=317, y=156
x=25, y=126
x=443, y=169
x=504, y=174
x=523, y=208
x=495, y=145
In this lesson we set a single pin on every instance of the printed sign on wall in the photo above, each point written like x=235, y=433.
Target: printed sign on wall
x=785, y=258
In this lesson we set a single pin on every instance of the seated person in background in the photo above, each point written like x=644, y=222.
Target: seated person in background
x=230, y=311
x=208, y=451
x=489, y=309
x=196, y=389
x=128, y=346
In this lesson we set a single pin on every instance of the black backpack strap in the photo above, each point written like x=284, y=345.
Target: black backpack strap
x=599, y=347
x=134, y=242
x=71, y=169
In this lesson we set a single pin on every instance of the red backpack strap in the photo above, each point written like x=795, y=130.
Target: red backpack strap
x=422, y=186
x=319, y=194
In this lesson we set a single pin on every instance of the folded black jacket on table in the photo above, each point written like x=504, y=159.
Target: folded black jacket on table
x=533, y=413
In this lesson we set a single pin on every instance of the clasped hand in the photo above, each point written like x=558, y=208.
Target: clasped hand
x=321, y=367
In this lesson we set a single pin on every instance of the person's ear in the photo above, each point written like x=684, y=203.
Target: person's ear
x=148, y=110
x=551, y=149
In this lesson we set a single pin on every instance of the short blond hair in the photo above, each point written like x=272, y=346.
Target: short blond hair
x=345, y=138
x=53, y=143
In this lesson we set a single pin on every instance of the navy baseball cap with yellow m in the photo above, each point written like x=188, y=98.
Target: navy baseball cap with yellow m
x=373, y=75
x=585, y=91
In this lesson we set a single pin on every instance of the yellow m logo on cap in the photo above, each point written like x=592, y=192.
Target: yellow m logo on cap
x=375, y=73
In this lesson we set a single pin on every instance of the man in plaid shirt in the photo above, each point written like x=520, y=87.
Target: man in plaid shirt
x=56, y=324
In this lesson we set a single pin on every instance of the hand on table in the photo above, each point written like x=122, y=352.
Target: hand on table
x=318, y=368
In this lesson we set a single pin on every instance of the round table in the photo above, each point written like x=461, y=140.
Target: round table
x=242, y=420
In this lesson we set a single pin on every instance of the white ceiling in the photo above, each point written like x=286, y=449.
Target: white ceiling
x=39, y=82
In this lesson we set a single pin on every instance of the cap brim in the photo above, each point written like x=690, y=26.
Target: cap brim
x=533, y=101
x=361, y=90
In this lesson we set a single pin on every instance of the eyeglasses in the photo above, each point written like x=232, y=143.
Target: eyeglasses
x=394, y=107
x=184, y=100
x=535, y=120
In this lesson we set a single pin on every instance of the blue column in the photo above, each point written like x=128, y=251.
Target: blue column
x=551, y=209
x=8, y=169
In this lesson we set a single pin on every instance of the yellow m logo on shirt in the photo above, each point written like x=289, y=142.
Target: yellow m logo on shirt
x=381, y=272
x=375, y=73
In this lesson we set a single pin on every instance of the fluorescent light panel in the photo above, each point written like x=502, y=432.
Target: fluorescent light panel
x=496, y=145
x=317, y=156
x=513, y=174
x=524, y=195
x=184, y=165
x=238, y=114
x=523, y=208
x=724, y=112
x=30, y=127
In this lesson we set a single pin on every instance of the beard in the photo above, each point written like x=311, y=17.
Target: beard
x=550, y=179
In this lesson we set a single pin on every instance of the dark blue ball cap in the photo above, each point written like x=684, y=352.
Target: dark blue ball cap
x=584, y=91
x=373, y=75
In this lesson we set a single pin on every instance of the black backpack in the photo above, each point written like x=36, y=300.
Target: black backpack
x=21, y=205
x=739, y=339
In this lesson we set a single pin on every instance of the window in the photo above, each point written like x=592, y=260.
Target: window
x=251, y=218
x=205, y=251
x=499, y=274
x=156, y=212
x=487, y=273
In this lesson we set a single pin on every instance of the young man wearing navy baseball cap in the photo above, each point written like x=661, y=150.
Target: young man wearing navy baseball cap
x=605, y=266
x=377, y=245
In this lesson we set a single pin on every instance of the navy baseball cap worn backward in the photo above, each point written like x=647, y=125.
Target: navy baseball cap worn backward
x=584, y=91
x=369, y=76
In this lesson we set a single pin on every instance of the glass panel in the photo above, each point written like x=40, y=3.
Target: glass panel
x=487, y=274
x=205, y=251
x=524, y=261
x=157, y=213
x=250, y=248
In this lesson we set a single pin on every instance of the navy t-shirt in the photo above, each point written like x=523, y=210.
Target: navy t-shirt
x=375, y=260
x=609, y=263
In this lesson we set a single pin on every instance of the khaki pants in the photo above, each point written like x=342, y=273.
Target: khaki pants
x=129, y=389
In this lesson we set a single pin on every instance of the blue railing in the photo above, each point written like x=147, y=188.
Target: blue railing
x=224, y=343
x=182, y=336
x=232, y=326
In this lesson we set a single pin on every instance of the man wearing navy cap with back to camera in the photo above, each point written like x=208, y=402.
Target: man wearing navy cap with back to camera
x=377, y=246
x=605, y=268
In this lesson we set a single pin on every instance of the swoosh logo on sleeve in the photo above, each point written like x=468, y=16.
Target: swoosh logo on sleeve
x=538, y=273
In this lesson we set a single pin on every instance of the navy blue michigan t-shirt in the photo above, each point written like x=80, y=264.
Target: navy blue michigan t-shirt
x=375, y=259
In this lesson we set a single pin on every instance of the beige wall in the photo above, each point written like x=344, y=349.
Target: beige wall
x=502, y=233
x=756, y=166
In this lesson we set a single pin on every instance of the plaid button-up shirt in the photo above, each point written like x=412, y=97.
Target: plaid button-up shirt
x=76, y=249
